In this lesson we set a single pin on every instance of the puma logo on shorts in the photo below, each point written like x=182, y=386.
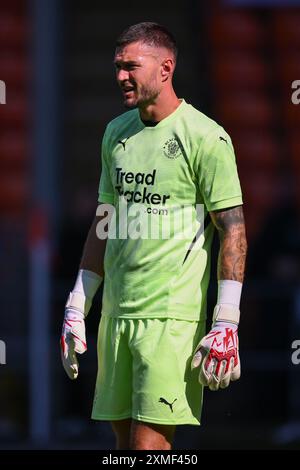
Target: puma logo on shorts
x=162, y=400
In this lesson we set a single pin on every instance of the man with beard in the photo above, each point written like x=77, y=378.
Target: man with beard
x=153, y=355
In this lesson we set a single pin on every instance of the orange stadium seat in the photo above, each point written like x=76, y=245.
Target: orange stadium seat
x=13, y=31
x=15, y=112
x=236, y=70
x=256, y=151
x=261, y=193
x=244, y=110
x=291, y=115
x=238, y=29
x=14, y=70
x=288, y=68
x=13, y=150
x=286, y=28
x=14, y=192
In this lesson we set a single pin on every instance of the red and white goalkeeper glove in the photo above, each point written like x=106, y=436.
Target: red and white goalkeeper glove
x=73, y=339
x=217, y=354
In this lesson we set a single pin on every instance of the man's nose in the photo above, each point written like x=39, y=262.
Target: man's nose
x=122, y=75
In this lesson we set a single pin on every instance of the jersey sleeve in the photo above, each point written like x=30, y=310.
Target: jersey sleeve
x=216, y=172
x=106, y=190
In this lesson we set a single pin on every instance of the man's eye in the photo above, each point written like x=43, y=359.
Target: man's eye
x=125, y=67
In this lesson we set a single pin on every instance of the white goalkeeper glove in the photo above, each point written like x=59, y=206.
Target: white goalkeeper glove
x=217, y=354
x=73, y=339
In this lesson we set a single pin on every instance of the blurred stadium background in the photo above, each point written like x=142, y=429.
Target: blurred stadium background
x=237, y=62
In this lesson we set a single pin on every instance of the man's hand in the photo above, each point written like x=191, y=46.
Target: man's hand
x=217, y=354
x=73, y=331
x=72, y=341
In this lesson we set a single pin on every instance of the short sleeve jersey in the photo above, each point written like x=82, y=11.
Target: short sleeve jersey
x=165, y=179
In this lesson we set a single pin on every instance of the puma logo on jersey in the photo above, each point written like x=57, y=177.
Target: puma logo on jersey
x=162, y=400
x=123, y=142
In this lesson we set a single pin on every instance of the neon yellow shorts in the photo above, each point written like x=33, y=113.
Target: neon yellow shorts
x=144, y=371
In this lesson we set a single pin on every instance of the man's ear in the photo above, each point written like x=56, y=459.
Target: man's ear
x=167, y=68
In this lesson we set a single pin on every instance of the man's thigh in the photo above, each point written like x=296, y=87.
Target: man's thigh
x=148, y=436
x=122, y=431
x=137, y=435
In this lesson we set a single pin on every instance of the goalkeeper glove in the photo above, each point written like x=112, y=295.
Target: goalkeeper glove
x=73, y=339
x=217, y=354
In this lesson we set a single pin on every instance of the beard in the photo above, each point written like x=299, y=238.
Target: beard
x=142, y=97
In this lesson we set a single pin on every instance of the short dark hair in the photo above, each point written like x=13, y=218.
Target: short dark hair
x=150, y=33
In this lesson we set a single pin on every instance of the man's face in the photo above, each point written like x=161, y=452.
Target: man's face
x=138, y=73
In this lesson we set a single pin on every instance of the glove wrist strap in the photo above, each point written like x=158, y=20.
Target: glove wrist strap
x=226, y=312
x=85, y=288
x=79, y=301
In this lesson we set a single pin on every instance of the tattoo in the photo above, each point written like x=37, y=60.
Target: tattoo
x=233, y=244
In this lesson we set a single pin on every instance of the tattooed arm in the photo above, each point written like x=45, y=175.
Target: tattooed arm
x=217, y=354
x=233, y=244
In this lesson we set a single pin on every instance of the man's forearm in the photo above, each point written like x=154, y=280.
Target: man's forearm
x=94, y=250
x=233, y=243
x=89, y=278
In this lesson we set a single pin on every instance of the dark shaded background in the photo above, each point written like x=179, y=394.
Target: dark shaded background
x=236, y=64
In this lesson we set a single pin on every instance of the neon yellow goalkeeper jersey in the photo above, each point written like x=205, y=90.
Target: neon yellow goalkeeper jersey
x=162, y=181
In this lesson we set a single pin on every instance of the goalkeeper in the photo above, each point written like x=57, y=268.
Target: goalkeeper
x=155, y=354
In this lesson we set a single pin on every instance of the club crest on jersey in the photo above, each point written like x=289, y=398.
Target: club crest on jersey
x=171, y=148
